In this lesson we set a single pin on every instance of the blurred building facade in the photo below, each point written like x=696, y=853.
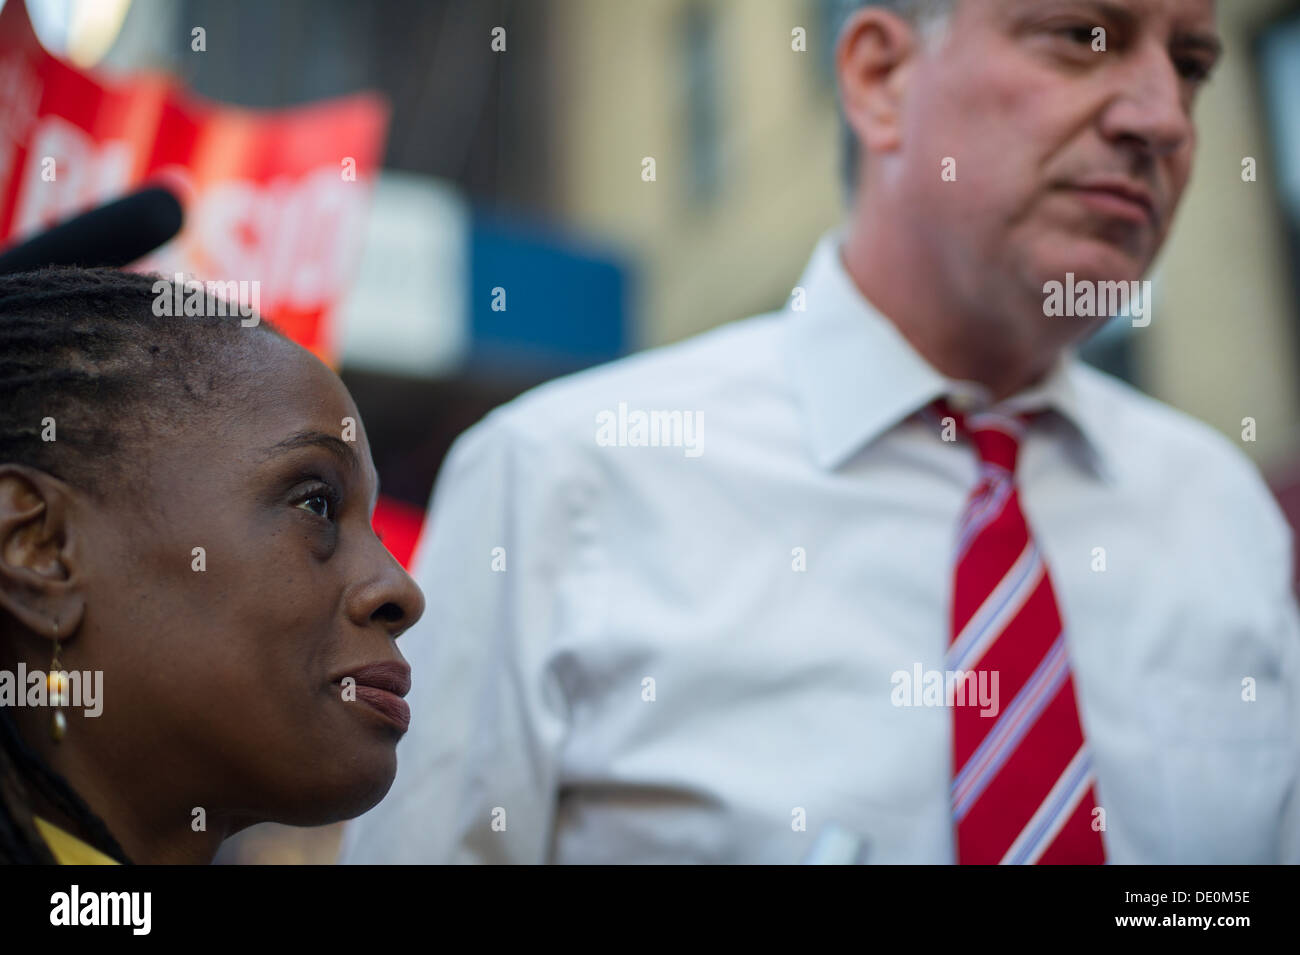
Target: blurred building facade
x=745, y=138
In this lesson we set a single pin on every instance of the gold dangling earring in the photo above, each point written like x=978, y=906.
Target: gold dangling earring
x=56, y=682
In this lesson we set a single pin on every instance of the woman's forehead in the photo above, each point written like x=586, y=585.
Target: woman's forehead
x=289, y=377
x=300, y=393
x=284, y=391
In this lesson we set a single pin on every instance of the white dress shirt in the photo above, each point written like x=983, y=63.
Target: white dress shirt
x=688, y=652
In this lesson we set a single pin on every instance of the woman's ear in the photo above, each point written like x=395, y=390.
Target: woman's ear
x=40, y=580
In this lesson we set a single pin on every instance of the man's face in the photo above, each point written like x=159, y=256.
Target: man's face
x=1072, y=145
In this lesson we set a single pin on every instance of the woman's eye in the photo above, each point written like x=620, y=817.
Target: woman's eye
x=322, y=503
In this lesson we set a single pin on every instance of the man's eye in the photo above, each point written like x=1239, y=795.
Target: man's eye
x=1195, y=70
x=1079, y=34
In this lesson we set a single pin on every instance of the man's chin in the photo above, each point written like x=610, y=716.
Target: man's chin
x=1089, y=261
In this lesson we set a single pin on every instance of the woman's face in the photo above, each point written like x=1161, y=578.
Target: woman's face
x=223, y=676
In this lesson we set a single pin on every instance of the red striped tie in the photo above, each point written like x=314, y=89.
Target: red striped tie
x=1023, y=789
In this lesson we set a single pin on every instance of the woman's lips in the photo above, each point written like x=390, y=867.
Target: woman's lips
x=381, y=686
x=387, y=704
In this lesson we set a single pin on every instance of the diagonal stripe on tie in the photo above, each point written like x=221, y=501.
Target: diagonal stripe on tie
x=1023, y=790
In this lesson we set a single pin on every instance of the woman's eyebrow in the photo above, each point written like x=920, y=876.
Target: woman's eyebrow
x=340, y=449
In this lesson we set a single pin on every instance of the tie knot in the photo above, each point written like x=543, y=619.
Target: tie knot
x=995, y=432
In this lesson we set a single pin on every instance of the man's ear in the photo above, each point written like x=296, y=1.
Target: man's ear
x=40, y=579
x=874, y=49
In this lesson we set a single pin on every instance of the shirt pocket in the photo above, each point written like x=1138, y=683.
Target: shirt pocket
x=1226, y=770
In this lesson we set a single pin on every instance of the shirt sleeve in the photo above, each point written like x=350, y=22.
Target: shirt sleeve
x=1247, y=504
x=1274, y=541
x=1288, y=615
x=477, y=769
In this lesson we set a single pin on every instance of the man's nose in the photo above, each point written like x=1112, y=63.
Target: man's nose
x=1152, y=108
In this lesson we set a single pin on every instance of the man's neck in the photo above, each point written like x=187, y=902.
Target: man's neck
x=960, y=342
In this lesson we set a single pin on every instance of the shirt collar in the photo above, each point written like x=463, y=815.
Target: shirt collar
x=857, y=376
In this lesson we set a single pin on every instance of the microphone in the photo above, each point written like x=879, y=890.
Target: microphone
x=112, y=235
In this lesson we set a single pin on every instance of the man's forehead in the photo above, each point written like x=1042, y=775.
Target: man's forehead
x=1200, y=12
x=1184, y=23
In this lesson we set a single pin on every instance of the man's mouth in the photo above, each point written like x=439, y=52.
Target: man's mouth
x=1118, y=198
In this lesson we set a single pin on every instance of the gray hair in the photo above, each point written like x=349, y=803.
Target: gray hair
x=918, y=12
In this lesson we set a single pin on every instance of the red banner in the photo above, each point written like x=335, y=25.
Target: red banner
x=273, y=197
x=276, y=198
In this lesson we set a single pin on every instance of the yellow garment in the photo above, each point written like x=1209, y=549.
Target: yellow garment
x=68, y=849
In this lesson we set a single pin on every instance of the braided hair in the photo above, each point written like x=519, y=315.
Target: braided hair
x=87, y=348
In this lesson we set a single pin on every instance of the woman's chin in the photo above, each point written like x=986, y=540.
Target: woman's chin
x=352, y=787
